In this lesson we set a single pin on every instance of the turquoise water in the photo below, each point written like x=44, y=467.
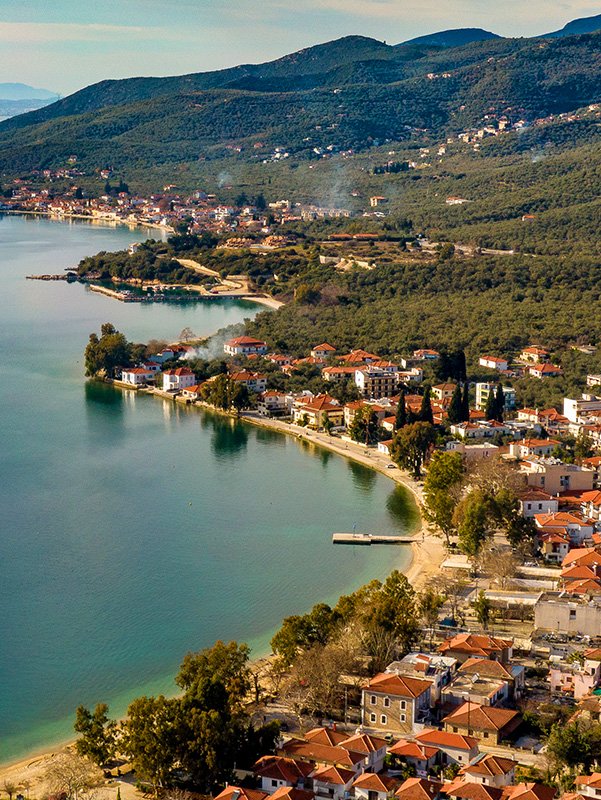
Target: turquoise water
x=132, y=530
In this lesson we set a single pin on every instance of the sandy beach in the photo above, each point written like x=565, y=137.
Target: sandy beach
x=427, y=556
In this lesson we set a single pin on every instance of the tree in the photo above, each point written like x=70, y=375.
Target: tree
x=430, y=603
x=499, y=403
x=73, y=776
x=474, y=520
x=482, y=607
x=224, y=666
x=326, y=423
x=583, y=447
x=395, y=610
x=98, y=734
x=455, y=409
x=301, y=632
x=490, y=409
x=10, y=788
x=465, y=404
x=401, y=412
x=364, y=427
x=152, y=736
x=425, y=411
x=442, y=491
x=106, y=353
x=239, y=397
x=500, y=565
x=411, y=445
x=574, y=744
x=186, y=334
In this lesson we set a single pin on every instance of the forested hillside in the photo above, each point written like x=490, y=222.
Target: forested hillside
x=351, y=94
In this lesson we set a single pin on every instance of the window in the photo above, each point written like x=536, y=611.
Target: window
x=454, y=730
x=383, y=719
x=572, y=613
x=403, y=717
x=387, y=702
x=485, y=734
x=274, y=783
x=403, y=705
x=373, y=699
x=372, y=718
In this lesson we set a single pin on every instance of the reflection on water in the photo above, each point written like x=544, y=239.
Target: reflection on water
x=230, y=437
x=401, y=508
x=104, y=410
x=363, y=478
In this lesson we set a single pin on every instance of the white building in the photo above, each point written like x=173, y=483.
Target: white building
x=579, y=410
x=244, y=346
x=492, y=362
x=178, y=379
x=137, y=376
x=483, y=391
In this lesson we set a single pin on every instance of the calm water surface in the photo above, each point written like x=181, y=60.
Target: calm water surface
x=133, y=531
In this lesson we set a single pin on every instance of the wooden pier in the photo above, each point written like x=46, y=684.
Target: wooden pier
x=370, y=538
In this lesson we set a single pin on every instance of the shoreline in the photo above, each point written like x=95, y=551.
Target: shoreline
x=425, y=560
x=109, y=223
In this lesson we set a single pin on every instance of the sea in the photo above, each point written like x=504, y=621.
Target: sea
x=134, y=530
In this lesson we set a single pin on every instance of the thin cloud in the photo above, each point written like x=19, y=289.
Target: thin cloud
x=44, y=32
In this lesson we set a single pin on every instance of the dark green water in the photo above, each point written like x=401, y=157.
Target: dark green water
x=132, y=530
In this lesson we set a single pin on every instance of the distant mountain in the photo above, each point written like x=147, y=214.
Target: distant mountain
x=577, y=27
x=346, y=94
x=21, y=91
x=454, y=38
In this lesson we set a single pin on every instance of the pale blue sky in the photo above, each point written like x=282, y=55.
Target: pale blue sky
x=66, y=44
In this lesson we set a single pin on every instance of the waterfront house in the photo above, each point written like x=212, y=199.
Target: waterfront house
x=314, y=412
x=254, y=381
x=244, y=346
x=395, y=703
x=272, y=404
x=174, y=380
x=192, y=392
x=489, y=723
x=137, y=376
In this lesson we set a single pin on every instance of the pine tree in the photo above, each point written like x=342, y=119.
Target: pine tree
x=455, y=410
x=499, y=403
x=425, y=411
x=401, y=412
x=465, y=403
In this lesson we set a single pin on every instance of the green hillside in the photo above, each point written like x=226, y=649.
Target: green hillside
x=350, y=93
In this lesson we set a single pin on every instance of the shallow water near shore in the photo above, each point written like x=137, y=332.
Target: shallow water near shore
x=134, y=530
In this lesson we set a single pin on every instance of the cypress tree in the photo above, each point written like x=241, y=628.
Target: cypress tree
x=401, y=412
x=465, y=403
x=499, y=403
x=455, y=410
x=491, y=405
x=425, y=411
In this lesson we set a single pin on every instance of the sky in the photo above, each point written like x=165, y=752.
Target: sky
x=63, y=45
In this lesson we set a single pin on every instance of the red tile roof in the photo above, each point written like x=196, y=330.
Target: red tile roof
x=478, y=644
x=376, y=783
x=486, y=718
x=335, y=775
x=398, y=685
x=418, y=789
x=445, y=739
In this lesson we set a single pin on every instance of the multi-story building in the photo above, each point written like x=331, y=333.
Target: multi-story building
x=375, y=382
x=483, y=391
x=395, y=703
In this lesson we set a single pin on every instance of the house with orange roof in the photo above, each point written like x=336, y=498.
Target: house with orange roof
x=324, y=755
x=338, y=374
x=371, y=786
x=422, y=757
x=534, y=354
x=513, y=674
x=426, y=355
x=192, y=392
x=487, y=723
x=490, y=770
x=395, y=703
x=554, y=545
x=533, y=447
x=324, y=350
x=536, y=501
x=594, y=463
x=240, y=793
x=272, y=403
x=276, y=772
x=529, y=791
x=590, y=504
x=589, y=785
x=333, y=782
x=374, y=749
x=494, y=362
x=357, y=358
x=477, y=645
x=419, y=789
x=455, y=747
x=582, y=557
x=292, y=793
x=470, y=790
x=577, y=528
x=314, y=412
x=541, y=371
x=244, y=346
x=137, y=376
x=279, y=359
x=174, y=380
x=254, y=381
